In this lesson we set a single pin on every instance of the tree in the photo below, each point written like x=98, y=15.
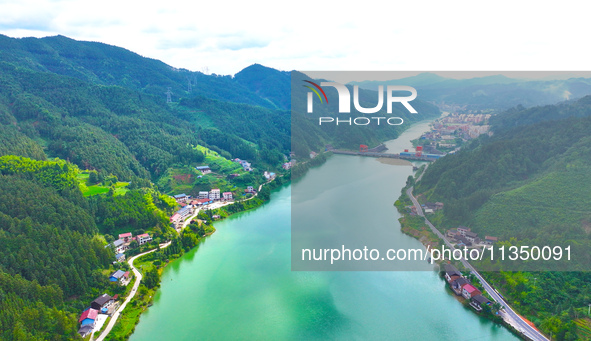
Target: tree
x=152, y=278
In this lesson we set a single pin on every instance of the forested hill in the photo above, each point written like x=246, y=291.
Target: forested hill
x=528, y=184
x=104, y=64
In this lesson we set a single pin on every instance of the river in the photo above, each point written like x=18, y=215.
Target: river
x=238, y=284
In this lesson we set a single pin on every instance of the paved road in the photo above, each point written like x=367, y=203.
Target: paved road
x=507, y=313
x=138, y=276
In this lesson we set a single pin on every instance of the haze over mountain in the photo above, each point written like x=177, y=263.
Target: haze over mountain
x=495, y=91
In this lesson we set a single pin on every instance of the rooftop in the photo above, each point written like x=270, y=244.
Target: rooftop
x=88, y=314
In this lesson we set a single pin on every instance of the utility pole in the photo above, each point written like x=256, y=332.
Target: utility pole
x=535, y=278
x=169, y=95
x=589, y=312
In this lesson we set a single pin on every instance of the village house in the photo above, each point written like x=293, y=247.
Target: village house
x=313, y=155
x=227, y=195
x=119, y=276
x=84, y=331
x=249, y=189
x=204, y=169
x=462, y=241
x=103, y=301
x=452, y=233
x=269, y=176
x=119, y=246
x=126, y=237
x=120, y=257
x=181, y=198
x=143, y=239
x=478, y=302
x=184, y=212
x=490, y=240
x=459, y=284
x=472, y=237
x=462, y=230
x=175, y=218
x=203, y=195
x=469, y=291
x=204, y=201
x=214, y=194
x=451, y=273
x=286, y=165
x=88, y=317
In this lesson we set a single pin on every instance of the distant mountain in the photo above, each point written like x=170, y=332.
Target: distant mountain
x=104, y=64
x=489, y=92
x=268, y=83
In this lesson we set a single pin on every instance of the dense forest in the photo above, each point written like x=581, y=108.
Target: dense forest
x=528, y=184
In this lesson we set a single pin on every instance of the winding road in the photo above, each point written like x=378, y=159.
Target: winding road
x=138, y=276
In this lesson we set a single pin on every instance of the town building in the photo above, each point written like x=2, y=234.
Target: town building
x=175, y=218
x=181, y=198
x=203, y=195
x=184, y=212
x=126, y=237
x=143, y=238
x=204, y=201
x=204, y=169
x=214, y=194
x=227, y=195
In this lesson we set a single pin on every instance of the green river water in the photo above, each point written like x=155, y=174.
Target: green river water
x=238, y=284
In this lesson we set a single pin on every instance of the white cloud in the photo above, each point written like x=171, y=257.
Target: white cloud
x=318, y=35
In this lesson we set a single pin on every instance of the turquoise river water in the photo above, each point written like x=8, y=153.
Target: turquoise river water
x=238, y=284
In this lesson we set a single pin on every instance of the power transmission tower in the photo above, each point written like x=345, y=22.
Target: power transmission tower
x=189, y=86
x=169, y=95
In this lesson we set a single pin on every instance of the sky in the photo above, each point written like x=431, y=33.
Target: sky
x=224, y=37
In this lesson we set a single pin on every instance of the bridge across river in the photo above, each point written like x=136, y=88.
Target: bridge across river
x=387, y=155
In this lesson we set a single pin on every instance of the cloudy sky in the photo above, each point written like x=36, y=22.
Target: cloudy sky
x=226, y=36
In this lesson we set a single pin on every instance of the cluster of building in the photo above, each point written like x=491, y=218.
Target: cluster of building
x=123, y=243
x=446, y=130
x=465, y=237
x=103, y=305
x=246, y=166
x=461, y=286
x=189, y=204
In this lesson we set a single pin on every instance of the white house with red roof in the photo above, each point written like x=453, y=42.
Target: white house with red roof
x=227, y=195
x=143, y=238
x=469, y=291
x=126, y=237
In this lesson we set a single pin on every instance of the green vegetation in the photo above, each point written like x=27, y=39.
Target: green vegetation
x=528, y=185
